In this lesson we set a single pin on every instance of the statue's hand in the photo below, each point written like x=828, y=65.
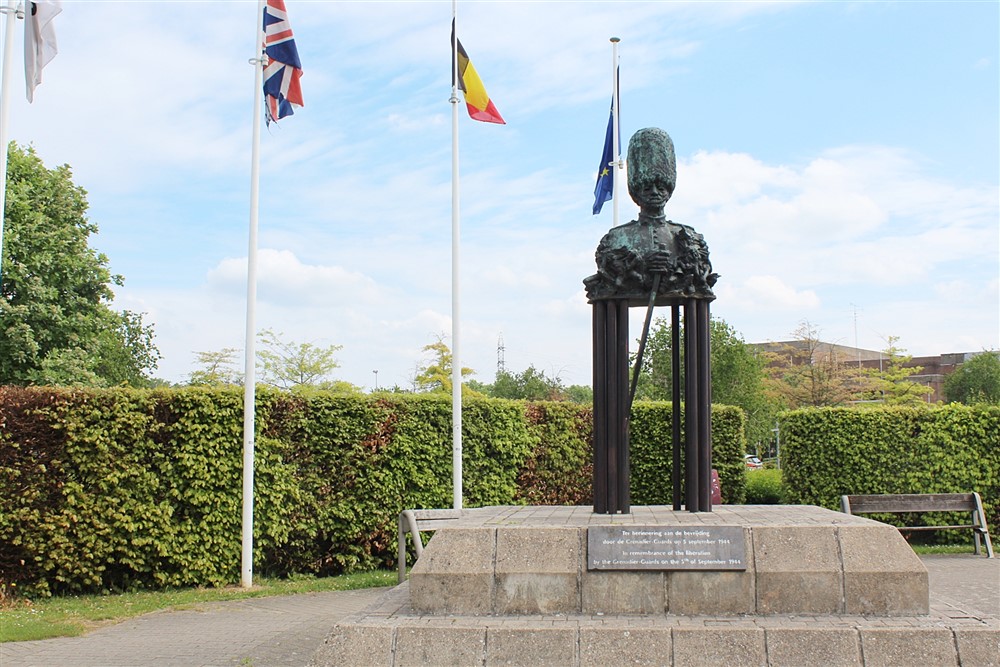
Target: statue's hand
x=658, y=262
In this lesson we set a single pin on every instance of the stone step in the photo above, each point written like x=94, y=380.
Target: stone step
x=392, y=634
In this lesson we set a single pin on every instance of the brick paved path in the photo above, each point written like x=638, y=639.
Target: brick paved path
x=285, y=631
x=259, y=632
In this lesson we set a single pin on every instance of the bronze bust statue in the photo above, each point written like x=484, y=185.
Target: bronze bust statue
x=631, y=256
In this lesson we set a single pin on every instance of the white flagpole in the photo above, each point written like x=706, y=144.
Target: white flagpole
x=8, y=51
x=250, y=381
x=616, y=155
x=456, y=357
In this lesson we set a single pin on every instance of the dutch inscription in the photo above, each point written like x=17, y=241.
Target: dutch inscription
x=665, y=548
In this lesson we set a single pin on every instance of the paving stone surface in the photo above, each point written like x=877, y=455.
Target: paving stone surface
x=287, y=631
x=260, y=632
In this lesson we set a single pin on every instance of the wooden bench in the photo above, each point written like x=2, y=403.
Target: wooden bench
x=925, y=502
x=415, y=522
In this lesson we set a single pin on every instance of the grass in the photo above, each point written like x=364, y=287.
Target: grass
x=932, y=549
x=70, y=616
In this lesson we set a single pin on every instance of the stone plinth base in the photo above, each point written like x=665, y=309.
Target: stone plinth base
x=511, y=586
x=799, y=560
x=392, y=634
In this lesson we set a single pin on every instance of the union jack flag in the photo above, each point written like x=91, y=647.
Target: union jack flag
x=282, y=69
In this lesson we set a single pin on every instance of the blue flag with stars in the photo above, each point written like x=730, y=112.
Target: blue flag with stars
x=605, y=178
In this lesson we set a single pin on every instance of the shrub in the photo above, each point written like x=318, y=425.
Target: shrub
x=829, y=452
x=120, y=489
x=764, y=487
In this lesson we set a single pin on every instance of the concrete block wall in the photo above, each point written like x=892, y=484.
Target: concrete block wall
x=856, y=567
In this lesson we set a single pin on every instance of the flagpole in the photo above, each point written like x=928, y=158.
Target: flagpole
x=456, y=357
x=10, y=10
x=616, y=146
x=250, y=381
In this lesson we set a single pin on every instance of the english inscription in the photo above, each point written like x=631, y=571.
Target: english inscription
x=665, y=548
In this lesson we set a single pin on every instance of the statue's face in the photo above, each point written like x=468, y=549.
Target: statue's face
x=654, y=193
x=652, y=170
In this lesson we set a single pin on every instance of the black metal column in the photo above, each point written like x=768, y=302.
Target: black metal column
x=704, y=409
x=611, y=385
x=675, y=400
x=692, y=478
x=697, y=407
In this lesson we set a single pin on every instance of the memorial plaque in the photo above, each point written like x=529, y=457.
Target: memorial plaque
x=665, y=548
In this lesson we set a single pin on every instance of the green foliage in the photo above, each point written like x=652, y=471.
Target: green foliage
x=829, y=452
x=126, y=352
x=737, y=374
x=435, y=375
x=532, y=384
x=812, y=373
x=70, y=616
x=560, y=468
x=764, y=487
x=889, y=383
x=975, y=381
x=291, y=365
x=120, y=489
x=56, y=322
x=580, y=393
x=652, y=456
x=341, y=451
x=218, y=369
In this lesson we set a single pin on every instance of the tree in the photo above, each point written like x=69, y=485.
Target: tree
x=435, y=375
x=580, y=393
x=530, y=384
x=809, y=372
x=218, y=369
x=283, y=365
x=737, y=373
x=127, y=351
x=975, y=381
x=296, y=365
x=56, y=321
x=890, y=385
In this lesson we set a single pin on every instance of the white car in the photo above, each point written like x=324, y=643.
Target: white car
x=753, y=463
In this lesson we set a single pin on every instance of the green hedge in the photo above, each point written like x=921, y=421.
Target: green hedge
x=829, y=452
x=764, y=487
x=652, y=456
x=121, y=489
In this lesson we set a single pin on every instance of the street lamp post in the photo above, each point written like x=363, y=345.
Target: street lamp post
x=376, y=379
x=777, y=443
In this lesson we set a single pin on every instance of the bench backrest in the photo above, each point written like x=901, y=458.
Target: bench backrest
x=911, y=502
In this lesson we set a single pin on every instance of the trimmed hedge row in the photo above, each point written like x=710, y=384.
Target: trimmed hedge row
x=121, y=489
x=829, y=452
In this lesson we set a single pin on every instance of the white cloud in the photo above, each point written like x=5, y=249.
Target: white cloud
x=766, y=293
x=355, y=196
x=386, y=296
x=283, y=280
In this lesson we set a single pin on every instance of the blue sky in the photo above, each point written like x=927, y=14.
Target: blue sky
x=841, y=160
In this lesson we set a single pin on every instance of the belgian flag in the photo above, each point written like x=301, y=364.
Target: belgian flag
x=478, y=101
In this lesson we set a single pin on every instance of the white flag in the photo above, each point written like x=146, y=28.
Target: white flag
x=39, y=40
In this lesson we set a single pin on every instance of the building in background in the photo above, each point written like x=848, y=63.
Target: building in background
x=934, y=369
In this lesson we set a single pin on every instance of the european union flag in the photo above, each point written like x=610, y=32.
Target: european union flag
x=605, y=178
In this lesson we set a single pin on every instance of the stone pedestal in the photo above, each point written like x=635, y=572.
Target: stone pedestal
x=799, y=560
x=513, y=585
